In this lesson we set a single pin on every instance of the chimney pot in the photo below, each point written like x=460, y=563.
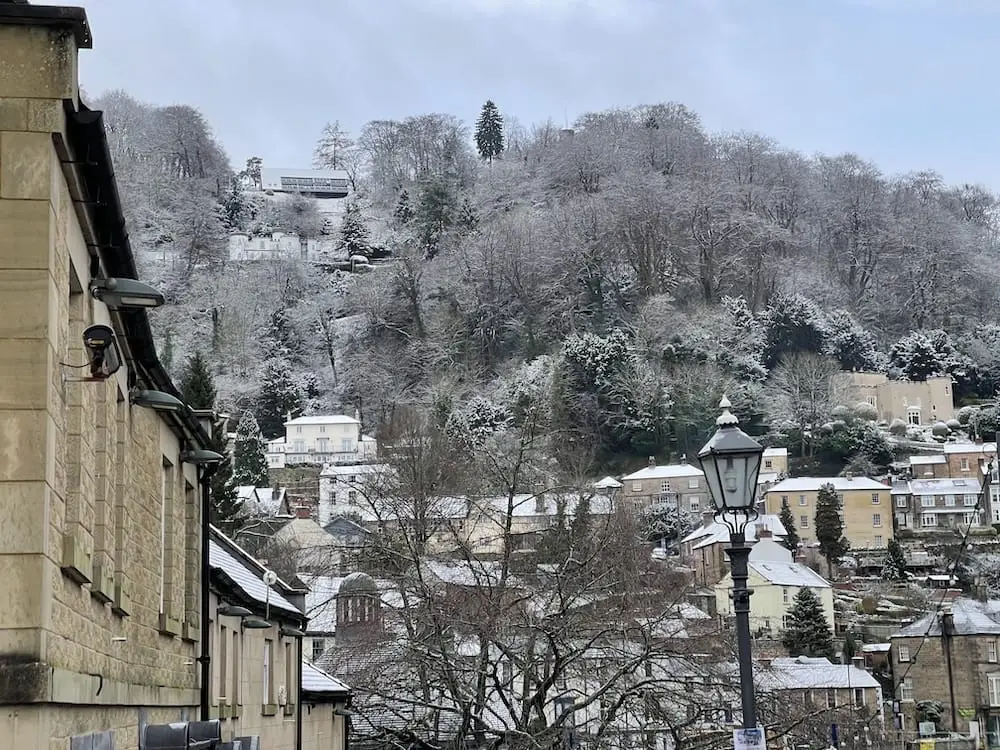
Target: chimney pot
x=764, y=533
x=303, y=511
x=652, y=461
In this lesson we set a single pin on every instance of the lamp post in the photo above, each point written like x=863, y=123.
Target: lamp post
x=731, y=462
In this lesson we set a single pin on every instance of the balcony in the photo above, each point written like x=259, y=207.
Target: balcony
x=341, y=458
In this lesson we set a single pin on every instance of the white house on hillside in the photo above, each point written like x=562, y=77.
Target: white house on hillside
x=334, y=439
x=278, y=246
x=775, y=581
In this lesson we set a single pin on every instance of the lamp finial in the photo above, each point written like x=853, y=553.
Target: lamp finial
x=727, y=418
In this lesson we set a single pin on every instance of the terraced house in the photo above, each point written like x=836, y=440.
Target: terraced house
x=100, y=485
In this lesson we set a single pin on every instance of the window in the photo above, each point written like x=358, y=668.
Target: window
x=803, y=522
x=299, y=446
x=506, y=671
x=803, y=500
x=268, y=689
x=768, y=464
x=223, y=659
x=695, y=503
x=927, y=501
x=902, y=654
x=970, y=519
x=636, y=486
x=323, y=445
x=352, y=497
x=322, y=428
x=785, y=597
x=166, y=537
x=318, y=648
x=693, y=483
x=994, y=685
x=949, y=500
x=906, y=689
x=928, y=519
x=665, y=485
x=913, y=416
x=234, y=694
x=878, y=541
x=831, y=697
x=859, y=696
x=784, y=499
x=876, y=499
x=969, y=500
x=991, y=651
x=352, y=478
x=346, y=445
x=964, y=463
x=876, y=519
x=289, y=675
x=298, y=430
x=901, y=501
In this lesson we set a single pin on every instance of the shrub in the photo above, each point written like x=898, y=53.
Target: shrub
x=866, y=411
x=898, y=427
x=940, y=429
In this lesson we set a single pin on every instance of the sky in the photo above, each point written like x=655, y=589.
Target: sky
x=907, y=84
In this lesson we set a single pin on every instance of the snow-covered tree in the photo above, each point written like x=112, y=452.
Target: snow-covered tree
x=196, y=386
x=807, y=632
x=279, y=396
x=801, y=391
x=916, y=357
x=829, y=527
x=435, y=215
x=468, y=219
x=489, y=132
x=249, y=449
x=791, y=540
x=403, y=212
x=665, y=524
x=355, y=238
x=333, y=147
x=792, y=323
x=894, y=567
x=850, y=344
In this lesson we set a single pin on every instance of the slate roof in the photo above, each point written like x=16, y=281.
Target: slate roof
x=806, y=673
x=248, y=578
x=964, y=485
x=315, y=680
x=812, y=484
x=970, y=447
x=329, y=419
x=789, y=574
x=664, y=472
x=971, y=617
x=718, y=532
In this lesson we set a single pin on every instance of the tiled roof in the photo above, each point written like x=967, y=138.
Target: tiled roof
x=971, y=617
x=248, y=580
x=944, y=486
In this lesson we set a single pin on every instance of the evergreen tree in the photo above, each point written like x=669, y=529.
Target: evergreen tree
x=435, y=215
x=894, y=567
x=467, y=217
x=808, y=632
x=250, y=461
x=226, y=512
x=793, y=324
x=829, y=527
x=489, y=132
x=404, y=209
x=197, y=386
x=279, y=396
x=849, y=649
x=354, y=236
x=791, y=540
x=235, y=206
x=851, y=345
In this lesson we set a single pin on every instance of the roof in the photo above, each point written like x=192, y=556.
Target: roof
x=875, y=648
x=970, y=448
x=608, y=483
x=248, y=579
x=789, y=574
x=717, y=532
x=805, y=673
x=358, y=583
x=971, y=617
x=772, y=452
x=55, y=16
x=319, y=419
x=840, y=484
x=944, y=486
x=273, y=174
x=937, y=458
x=315, y=680
x=664, y=472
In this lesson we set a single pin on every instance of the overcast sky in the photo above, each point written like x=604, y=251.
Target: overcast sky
x=910, y=84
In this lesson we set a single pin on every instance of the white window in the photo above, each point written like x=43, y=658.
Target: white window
x=994, y=684
x=268, y=657
x=785, y=596
x=318, y=648
x=970, y=519
x=695, y=504
x=902, y=654
x=928, y=519
x=969, y=500
x=693, y=483
x=876, y=498
x=927, y=501
x=878, y=541
x=906, y=689
x=949, y=500
x=636, y=486
x=352, y=497
x=803, y=500
x=859, y=696
x=964, y=463
x=665, y=485
x=803, y=522
x=299, y=446
x=913, y=416
x=323, y=445
x=346, y=445
x=876, y=519
x=901, y=501
x=991, y=651
x=768, y=464
x=298, y=430
x=322, y=428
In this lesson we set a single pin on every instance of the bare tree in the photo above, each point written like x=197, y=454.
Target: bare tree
x=802, y=391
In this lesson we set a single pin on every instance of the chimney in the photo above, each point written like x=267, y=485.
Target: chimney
x=684, y=458
x=848, y=475
x=303, y=511
x=764, y=533
x=707, y=518
x=652, y=462
x=858, y=662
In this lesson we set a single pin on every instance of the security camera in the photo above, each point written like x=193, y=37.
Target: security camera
x=102, y=348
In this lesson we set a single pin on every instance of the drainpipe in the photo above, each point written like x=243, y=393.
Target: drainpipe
x=205, y=658
x=298, y=695
x=947, y=630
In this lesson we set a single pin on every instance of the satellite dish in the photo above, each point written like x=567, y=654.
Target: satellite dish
x=270, y=577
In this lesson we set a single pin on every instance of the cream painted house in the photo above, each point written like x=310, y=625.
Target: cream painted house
x=774, y=461
x=916, y=402
x=866, y=507
x=775, y=581
x=99, y=506
x=322, y=439
x=262, y=683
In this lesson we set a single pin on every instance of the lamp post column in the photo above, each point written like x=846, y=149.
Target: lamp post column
x=739, y=555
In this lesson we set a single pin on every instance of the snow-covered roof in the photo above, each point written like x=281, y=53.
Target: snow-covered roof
x=471, y=573
x=767, y=477
x=970, y=447
x=249, y=580
x=937, y=458
x=265, y=499
x=717, y=532
x=789, y=574
x=811, y=673
x=608, y=483
x=971, y=617
x=773, y=452
x=327, y=419
x=664, y=472
x=840, y=484
x=944, y=486
x=315, y=680
x=875, y=648
x=341, y=470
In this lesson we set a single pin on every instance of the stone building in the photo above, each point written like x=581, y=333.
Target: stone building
x=99, y=498
x=915, y=402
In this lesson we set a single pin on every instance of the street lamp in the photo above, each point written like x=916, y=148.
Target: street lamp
x=731, y=462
